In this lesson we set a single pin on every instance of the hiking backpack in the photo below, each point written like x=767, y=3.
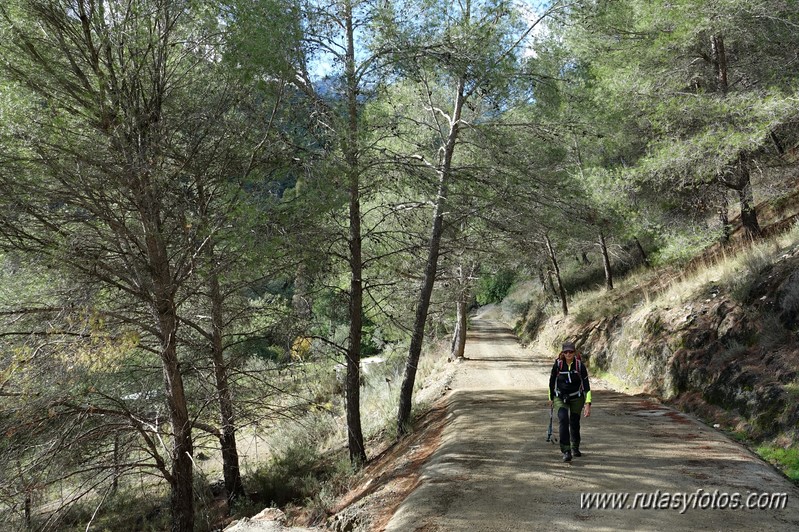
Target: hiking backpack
x=578, y=362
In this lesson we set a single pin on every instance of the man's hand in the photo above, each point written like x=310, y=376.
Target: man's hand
x=550, y=402
x=587, y=409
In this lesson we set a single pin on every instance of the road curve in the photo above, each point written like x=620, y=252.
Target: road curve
x=494, y=471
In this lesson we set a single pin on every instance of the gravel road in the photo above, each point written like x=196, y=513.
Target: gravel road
x=495, y=471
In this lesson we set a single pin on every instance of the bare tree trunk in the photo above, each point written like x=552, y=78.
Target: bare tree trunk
x=227, y=439
x=422, y=307
x=748, y=213
x=459, y=346
x=459, y=337
x=182, y=473
x=606, y=261
x=426, y=291
x=453, y=343
x=563, y=305
x=353, y=383
x=165, y=310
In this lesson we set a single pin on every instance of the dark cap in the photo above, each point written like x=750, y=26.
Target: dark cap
x=568, y=346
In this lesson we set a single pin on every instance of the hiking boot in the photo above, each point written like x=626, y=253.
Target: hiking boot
x=567, y=456
x=576, y=452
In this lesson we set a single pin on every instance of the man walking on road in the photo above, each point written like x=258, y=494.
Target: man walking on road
x=569, y=392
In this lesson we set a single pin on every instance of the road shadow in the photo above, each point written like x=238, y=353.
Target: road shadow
x=494, y=469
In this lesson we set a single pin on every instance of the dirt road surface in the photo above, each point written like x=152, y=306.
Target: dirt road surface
x=494, y=470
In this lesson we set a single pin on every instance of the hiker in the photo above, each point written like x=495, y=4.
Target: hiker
x=569, y=391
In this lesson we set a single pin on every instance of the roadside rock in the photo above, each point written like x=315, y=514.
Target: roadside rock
x=268, y=520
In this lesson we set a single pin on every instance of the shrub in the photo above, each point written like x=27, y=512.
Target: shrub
x=292, y=476
x=681, y=247
x=494, y=288
x=127, y=510
x=787, y=459
x=751, y=265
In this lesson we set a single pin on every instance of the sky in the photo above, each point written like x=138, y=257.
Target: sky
x=323, y=65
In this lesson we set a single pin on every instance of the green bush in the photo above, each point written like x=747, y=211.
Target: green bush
x=681, y=247
x=494, y=288
x=294, y=476
x=127, y=510
x=786, y=459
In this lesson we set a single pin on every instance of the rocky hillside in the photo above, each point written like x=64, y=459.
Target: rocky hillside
x=734, y=362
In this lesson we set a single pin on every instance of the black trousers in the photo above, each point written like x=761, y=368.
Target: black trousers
x=569, y=422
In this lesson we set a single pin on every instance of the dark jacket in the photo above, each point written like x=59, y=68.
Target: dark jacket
x=568, y=379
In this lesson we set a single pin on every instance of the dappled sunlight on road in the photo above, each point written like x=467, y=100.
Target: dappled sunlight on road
x=494, y=469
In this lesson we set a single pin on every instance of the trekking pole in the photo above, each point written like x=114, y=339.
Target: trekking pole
x=549, y=430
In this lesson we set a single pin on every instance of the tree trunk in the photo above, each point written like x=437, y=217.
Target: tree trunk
x=454, y=342
x=163, y=295
x=606, y=261
x=552, y=288
x=547, y=286
x=542, y=279
x=426, y=291
x=748, y=213
x=563, y=305
x=28, y=509
x=744, y=183
x=115, y=480
x=227, y=439
x=459, y=346
x=353, y=383
x=724, y=218
x=644, y=257
x=720, y=61
x=459, y=337
x=422, y=307
x=182, y=474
